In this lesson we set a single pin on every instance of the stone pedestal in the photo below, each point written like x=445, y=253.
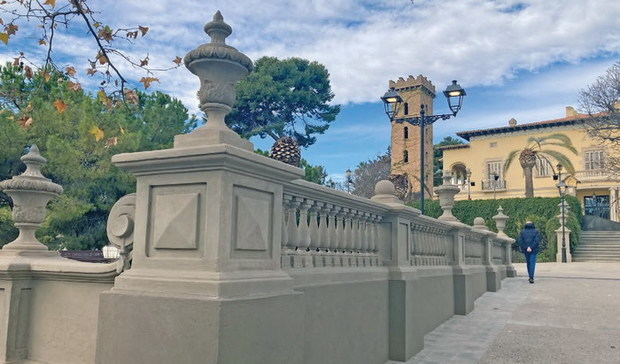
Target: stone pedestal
x=205, y=283
x=559, y=233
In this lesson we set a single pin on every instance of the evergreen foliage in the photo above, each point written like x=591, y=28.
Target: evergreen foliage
x=78, y=133
x=289, y=97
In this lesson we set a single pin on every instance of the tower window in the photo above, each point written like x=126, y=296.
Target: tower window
x=406, y=108
x=405, y=157
x=406, y=132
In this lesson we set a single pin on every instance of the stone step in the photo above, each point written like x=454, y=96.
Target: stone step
x=597, y=256
x=596, y=260
x=599, y=241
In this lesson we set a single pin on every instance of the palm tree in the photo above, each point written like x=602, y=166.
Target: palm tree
x=536, y=149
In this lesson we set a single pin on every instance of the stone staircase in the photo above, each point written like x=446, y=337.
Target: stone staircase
x=598, y=246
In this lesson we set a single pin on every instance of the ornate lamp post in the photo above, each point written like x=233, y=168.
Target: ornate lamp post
x=468, y=172
x=562, y=188
x=349, y=176
x=392, y=100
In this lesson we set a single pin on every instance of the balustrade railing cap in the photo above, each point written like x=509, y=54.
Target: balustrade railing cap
x=385, y=192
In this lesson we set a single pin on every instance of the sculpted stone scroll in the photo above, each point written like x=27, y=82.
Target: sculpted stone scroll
x=120, y=229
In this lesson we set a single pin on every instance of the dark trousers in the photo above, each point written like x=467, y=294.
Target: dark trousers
x=530, y=259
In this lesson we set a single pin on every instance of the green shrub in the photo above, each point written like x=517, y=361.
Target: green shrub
x=542, y=211
x=8, y=232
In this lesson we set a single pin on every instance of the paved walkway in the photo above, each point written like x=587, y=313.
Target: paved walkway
x=570, y=315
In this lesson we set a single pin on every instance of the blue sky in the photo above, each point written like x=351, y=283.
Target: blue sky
x=521, y=59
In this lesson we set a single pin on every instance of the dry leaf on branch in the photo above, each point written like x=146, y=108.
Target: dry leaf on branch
x=97, y=133
x=146, y=81
x=70, y=71
x=178, y=60
x=52, y=3
x=11, y=29
x=28, y=72
x=143, y=30
x=75, y=86
x=60, y=106
x=25, y=121
x=4, y=37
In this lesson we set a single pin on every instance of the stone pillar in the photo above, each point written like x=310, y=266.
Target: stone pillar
x=563, y=233
x=614, y=204
x=205, y=284
x=500, y=223
x=30, y=193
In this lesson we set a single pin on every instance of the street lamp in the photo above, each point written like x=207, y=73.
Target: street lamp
x=562, y=187
x=468, y=173
x=391, y=101
x=349, y=175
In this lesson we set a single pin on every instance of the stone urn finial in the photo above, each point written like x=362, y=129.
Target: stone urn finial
x=219, y=67
x=446, y=193
x=500, y=222
x=30, y=193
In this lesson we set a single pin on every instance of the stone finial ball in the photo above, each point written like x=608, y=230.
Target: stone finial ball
x=385, y=187
x=478, y=221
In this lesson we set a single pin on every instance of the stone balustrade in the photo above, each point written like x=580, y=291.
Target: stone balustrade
x=322, y=227
x=432, y=243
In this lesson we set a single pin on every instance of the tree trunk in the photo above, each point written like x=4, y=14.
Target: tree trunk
x=529, y=183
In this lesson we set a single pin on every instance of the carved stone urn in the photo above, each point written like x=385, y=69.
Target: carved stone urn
x=500, y=222
x=30, y=193
x=446, y=194
x=219, y=67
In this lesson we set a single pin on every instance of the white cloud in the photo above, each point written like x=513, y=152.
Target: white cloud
x=366, y=43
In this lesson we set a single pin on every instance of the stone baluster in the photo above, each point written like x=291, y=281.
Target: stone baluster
x=304, y=228
x=365, y=230
x=287, y=202
x=346, y=230
x=314, y=225
x=338, y=243
x=371, y=233
x=375, y=238
x=324, y=226
x=291, y=223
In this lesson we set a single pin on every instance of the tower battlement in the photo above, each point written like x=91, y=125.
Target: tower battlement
x=412, y=82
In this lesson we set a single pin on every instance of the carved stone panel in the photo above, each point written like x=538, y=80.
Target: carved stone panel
x=176, y=219
x=252, y=228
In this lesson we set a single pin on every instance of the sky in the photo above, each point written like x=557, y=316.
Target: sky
x=517, y=59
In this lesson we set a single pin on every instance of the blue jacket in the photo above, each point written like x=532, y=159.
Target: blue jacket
x=529, y=237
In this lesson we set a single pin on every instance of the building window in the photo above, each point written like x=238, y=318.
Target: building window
x=405, y=156
x=543, y=168
x=494, y=169
x=593, y=160
x=406, y=108
x=406, y=132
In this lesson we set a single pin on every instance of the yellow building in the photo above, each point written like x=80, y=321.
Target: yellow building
x=477, y=166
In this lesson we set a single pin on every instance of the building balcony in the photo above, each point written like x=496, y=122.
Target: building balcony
x=492, y=185
x=593, y=174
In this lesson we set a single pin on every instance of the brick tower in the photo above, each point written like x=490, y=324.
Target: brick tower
x=415, y=91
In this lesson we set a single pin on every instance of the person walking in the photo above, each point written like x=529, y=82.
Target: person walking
x=529, y=240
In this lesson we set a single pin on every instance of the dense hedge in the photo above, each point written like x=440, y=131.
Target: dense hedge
x=542, y=211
